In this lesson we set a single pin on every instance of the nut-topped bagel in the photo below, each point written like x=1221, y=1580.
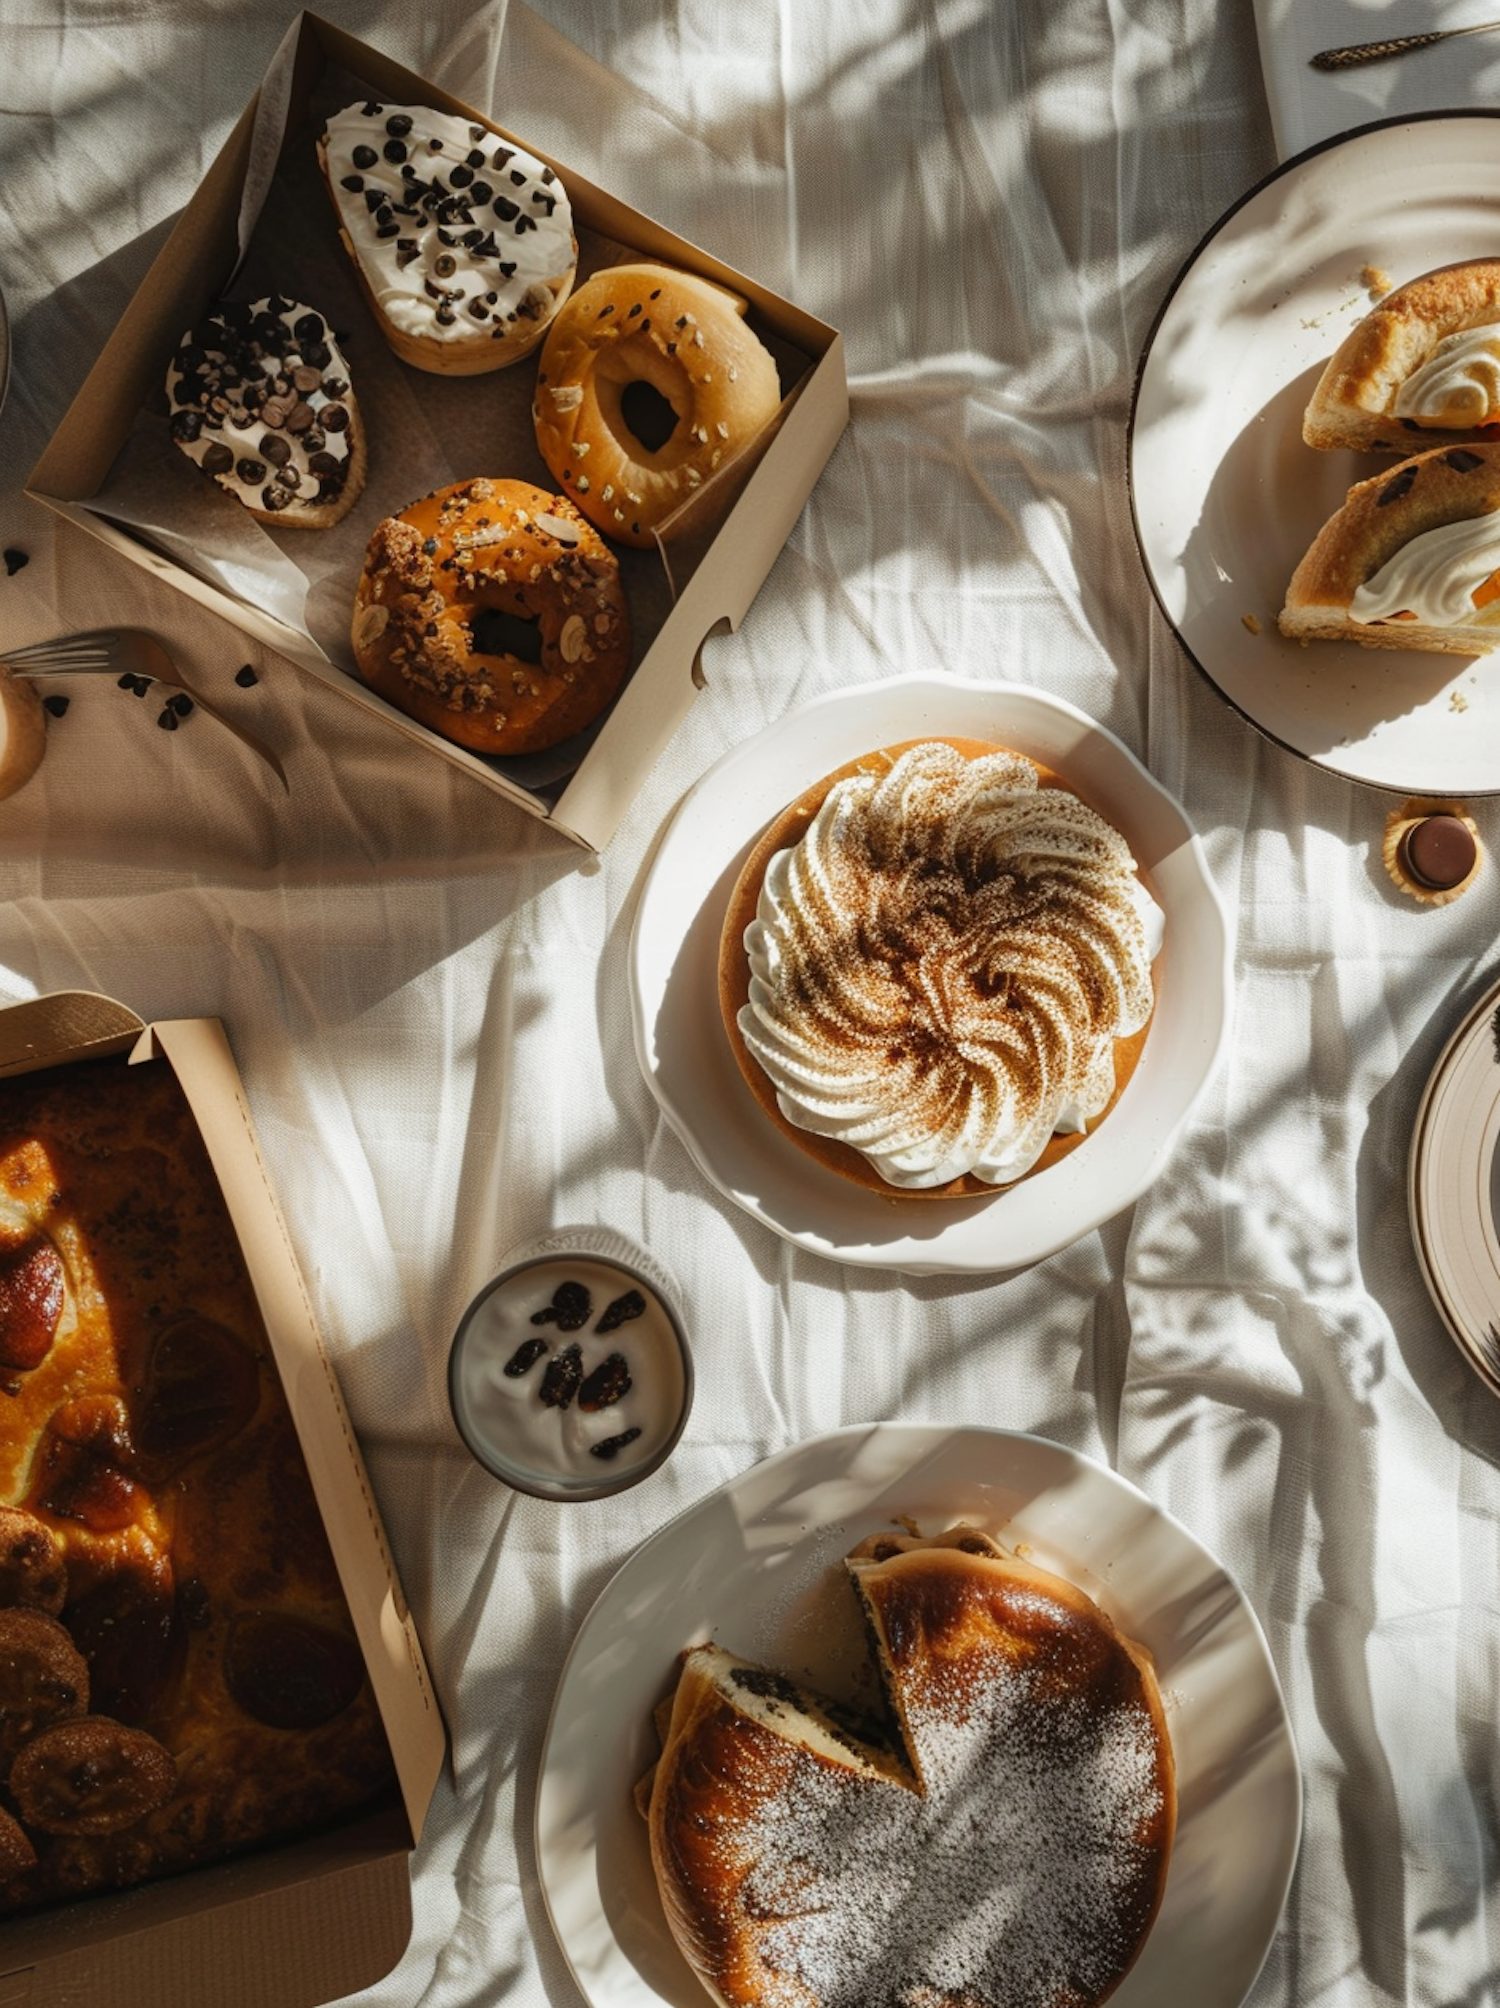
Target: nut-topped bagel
x=650, y=381
x=1411, y=560
x=1424, y=364
x=493, y=614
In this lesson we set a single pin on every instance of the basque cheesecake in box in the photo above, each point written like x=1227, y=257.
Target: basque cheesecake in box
x=217, y=1738
x=452, y=428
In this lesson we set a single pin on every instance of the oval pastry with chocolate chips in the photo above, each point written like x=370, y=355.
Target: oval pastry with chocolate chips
x=260, y=399
x=462, y=241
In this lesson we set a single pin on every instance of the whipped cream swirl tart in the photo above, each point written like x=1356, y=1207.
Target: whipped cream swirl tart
x=1411, y=561
x=936, y=969
x=1423, y=366
x=463, y=241
x=260, y=399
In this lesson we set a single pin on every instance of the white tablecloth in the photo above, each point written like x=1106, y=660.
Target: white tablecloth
x=426, y=992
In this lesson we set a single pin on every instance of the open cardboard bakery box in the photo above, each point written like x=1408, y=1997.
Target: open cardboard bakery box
x=262, y=222
x=311, y=1919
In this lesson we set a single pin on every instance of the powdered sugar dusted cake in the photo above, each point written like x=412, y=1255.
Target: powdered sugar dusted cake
x=1007, y=1849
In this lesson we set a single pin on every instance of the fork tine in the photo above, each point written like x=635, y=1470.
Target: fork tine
x=93, y=647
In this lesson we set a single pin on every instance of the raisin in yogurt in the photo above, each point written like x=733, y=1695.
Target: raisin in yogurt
x=570, y=1376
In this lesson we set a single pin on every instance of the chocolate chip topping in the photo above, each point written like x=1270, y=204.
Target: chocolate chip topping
x=1400, y=484
x=1439, y=852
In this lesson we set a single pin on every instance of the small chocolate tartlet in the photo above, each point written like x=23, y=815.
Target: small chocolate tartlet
x=261, y=400
x=1432, y=851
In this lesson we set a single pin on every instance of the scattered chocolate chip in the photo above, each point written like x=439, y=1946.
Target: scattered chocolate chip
x=608, y=1383
x=569, y=1310
x=15, y=560
x=251, y=472
x=276, y=449
x=182, y=704
x=613, y=1445
x=563, y=1377
x=245, y=676
x=126, y=682
x=218, y=459
x=168, y=720
x=621, y=1311
x=1400, y=484
x=394, y=151
x=445, y=265
x=1462, y=461
x=365, y=156
x=353, y=183
x=524, y=1358
x=398, y=125
x=56, y=705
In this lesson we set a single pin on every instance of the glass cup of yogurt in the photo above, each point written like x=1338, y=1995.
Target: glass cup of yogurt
x=570, y=1375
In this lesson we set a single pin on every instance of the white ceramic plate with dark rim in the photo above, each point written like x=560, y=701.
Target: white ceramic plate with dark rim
x=1453, y=1187
x=1226, y=497
x=685, y=1053
x=756, y=1566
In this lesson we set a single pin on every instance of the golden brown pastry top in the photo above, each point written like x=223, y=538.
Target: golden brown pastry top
x=1017, y=1863
x=158, y=1514
x=1357, y=402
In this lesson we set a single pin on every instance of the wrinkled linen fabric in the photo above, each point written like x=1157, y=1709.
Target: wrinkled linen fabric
x=427, y=994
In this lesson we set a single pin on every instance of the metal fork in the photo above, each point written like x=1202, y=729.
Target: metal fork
x=127, y=652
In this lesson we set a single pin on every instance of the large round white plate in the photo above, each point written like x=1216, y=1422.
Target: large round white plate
x=756, y=1567
x=685, y=1053
x=1453, y=1187
x=1227, y=498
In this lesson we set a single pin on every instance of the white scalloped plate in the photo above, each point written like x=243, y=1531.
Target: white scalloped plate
x=685, y=1053
x=756, y=1567
x=1227, y=498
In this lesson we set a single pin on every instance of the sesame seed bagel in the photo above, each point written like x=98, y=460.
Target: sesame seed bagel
x=650, y=382
x=494, y=615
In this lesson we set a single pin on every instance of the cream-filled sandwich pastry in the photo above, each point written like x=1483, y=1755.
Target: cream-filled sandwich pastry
x=463, y=241
x=935, y=970
x=1412, y=560
x=1423, y=366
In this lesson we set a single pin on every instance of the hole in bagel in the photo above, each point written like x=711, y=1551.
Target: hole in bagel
x=648, y=414
x=493, y=631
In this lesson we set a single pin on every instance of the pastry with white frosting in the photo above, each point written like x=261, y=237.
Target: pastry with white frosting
x=1423, y=366
x=935, y=970
x=260, y=399
x=463, y=241
x=1411, y=560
